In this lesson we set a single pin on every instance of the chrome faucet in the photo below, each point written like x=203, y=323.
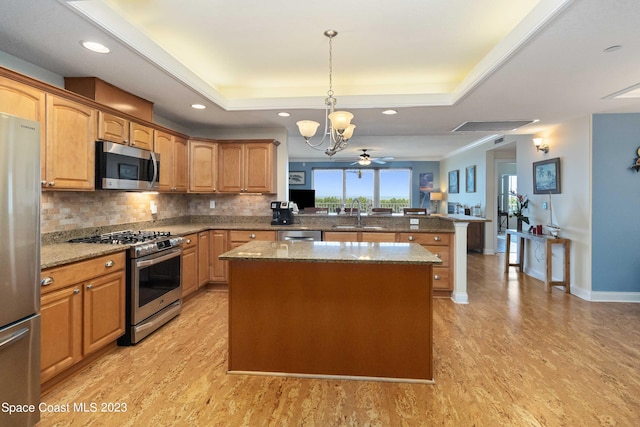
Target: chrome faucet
x=359, y=217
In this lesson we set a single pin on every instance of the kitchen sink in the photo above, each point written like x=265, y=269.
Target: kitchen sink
x=355, y=227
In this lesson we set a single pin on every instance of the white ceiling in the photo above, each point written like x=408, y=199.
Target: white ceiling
x=438, y=62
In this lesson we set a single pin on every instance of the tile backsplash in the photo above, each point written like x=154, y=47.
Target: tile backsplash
x=70, y=210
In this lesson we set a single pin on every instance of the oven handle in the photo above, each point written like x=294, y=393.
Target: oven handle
x=147, y=263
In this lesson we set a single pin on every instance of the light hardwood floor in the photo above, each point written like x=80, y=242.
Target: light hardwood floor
x=514, y=356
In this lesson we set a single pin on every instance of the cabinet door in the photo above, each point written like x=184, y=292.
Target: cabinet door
x=61, y=331
x=70, y=144
x=164, y=147
x=140, y=136
x=259, y=168
x=113, y=128
x=377, y=237
x=180, y=164
x=24, y=101
x=217, y=246
x=189, y=271
x=203, y=258
x=104, y=301
x=230, y=168
x=340, y=236
x=202, y=158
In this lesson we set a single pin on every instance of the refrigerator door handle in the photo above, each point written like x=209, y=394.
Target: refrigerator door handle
x=14, y=337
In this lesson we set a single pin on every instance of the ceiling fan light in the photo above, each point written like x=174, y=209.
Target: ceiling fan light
x=364, y=162
x=307, y=128
x=340, y=120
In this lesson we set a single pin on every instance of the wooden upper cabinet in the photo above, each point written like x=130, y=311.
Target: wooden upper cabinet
x=202, y=161
x=122, y=131
x=247, y=166
x=173, y=161
x=70, y=140
x=27, y=102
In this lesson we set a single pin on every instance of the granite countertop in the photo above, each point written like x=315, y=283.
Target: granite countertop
x=58, y=252
x=343, y=252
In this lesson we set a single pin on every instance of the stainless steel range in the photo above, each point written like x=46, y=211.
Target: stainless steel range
x=154, y=279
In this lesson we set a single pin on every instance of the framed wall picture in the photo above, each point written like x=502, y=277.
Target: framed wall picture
x=546, y=176
x=453, y=181
x=471, y=179
x=297, y=178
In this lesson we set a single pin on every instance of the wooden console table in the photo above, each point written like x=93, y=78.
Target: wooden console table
x=550, y=241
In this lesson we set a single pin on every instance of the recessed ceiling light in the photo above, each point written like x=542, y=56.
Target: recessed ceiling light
x=198, y=106
x=389, y=112
x=612, y=48
x=96, y=47
x=283, y=114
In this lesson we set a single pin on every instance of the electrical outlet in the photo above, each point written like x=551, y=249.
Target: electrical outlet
x=414, y=221
x=153, y=207
x=212, y=204
x=544, y=205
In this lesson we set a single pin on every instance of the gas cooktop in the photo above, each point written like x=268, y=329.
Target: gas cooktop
x=141, y=242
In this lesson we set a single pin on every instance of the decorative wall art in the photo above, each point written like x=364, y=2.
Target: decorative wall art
x=471, y=179
x=297, y=178
x=453, y=181
x=426, y=187
x=546, y=176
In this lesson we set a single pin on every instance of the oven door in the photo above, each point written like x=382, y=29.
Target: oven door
x=155, y=283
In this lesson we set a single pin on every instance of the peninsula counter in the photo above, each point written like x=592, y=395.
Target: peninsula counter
x=331, y=309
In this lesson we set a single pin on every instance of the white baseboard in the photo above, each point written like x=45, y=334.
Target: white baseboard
x=613, y=296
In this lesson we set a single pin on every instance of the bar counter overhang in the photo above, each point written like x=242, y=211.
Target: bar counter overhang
x=331, y=309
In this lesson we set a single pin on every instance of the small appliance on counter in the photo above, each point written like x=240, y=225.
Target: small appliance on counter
x=282, y=213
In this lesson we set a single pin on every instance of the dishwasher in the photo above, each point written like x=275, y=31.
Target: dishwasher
x=309, y=235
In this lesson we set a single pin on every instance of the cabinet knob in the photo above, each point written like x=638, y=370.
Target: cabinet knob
x=43, y=183
x=436, y=277
x=109, y=263
x=252, y=236
x=188, y=241
x=133, y=143
x=89, y=286
x=437, y=238
x=47, y=281
x=438, y=255
x=76, y=291
x=411, y=238
x=51, y=183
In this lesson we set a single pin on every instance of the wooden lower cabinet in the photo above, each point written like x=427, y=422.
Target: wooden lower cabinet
x=203, y=258
x=190, y=264
x=441, y=245
x=218, y=272
x=82, y=310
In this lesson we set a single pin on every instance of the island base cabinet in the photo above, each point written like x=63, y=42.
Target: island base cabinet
x=342, y=319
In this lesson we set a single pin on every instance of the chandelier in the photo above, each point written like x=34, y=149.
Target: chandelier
x=337, y=124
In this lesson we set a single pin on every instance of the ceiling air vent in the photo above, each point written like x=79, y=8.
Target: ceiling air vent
x=501, y=126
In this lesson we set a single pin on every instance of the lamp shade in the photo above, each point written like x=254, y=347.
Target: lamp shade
x=348, y=132
x=436, y=196
x=307, y=128
x=340, y=120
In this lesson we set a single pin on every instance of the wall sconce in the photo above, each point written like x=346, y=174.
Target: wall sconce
x=538, y=142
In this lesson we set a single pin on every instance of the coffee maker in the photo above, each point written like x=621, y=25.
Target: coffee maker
x=282, y=213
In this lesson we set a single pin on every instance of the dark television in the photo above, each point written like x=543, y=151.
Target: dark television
x=303, y=198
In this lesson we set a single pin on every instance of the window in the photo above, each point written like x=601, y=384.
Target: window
x=386, y=188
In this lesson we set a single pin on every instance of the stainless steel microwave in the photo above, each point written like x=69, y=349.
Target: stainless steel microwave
x=121, y=167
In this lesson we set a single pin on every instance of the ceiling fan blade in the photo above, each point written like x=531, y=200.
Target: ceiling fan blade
x=378, y=161
x=354, y=163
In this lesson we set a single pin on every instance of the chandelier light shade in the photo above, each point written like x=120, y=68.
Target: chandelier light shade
x=338, y=128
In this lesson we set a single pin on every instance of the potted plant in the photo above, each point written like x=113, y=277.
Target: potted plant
x=522, y=203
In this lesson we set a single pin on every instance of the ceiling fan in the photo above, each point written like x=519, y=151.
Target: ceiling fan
x=365, y=159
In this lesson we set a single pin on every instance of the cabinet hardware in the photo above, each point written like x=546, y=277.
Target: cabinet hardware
x=43, y=183
x=436, y=277
x=109, y=263
x=89, y=286
x=437, y=238
x=188, y=241
x=252, y=236
x=47, y=281
x=76, y=291
x=51, y=183
x=438, y=255
x=411, y=238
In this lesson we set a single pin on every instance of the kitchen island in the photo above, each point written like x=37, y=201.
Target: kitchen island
x=331, y=309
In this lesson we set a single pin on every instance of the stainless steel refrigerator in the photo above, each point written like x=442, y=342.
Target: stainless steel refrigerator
x=19, y=271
